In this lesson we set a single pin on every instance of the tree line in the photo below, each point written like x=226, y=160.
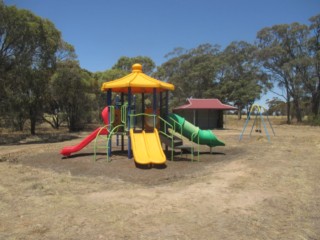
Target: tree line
x=41, y=78
x=286, y=56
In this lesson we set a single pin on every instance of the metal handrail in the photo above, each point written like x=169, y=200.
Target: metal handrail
x=107, y=127
x=193, y=136
x=174, y=126
x=112, y=117
x=142, y=114
x=111, y=133
x=124, y=116
x=167, y=134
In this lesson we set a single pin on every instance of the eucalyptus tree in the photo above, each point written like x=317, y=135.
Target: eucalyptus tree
x=125, y=64
x=240, y=79
x=106, y=76
x=28, y=47
x=193, y=72
x=53, y=109
x=314, y=47
x=276, y=106
x=71, y=89
x=122, y=67
x=285, y=57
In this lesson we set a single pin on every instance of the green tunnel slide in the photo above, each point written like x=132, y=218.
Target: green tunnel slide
x=206, y=137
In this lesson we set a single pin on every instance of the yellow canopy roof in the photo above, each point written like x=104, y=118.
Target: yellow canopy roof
x=138, y=82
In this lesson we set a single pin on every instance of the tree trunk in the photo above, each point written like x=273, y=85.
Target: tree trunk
x=239, y=112
x=288, y=110
x=33, y=126
x=33, y=120
x=315, y=101
x=296, y=104
x=21, y=121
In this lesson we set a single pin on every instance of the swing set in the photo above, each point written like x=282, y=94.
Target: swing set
x=257, y=110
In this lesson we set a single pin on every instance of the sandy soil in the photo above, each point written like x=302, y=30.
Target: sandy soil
x=251, y=189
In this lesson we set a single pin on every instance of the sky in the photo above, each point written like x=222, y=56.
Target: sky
x=102, y=31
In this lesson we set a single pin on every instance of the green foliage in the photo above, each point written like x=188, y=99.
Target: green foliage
x=314, y=120
x=28, y=46
x=100, y=78
x=313, y=84
x=206, y=72
x=125, y=64
x=277, y=107
x=71, y=90
x=289, y=56
x=191, y=71
x=109, y=75
x=240, y=80
x=40, y=76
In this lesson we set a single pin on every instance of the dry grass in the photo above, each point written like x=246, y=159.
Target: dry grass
x=252, y=190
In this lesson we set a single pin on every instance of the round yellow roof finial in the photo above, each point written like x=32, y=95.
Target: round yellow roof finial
x=136, y=67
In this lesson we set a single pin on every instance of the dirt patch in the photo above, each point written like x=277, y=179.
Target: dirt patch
x=253, y=189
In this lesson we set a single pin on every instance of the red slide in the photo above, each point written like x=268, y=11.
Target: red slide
x=66, y=151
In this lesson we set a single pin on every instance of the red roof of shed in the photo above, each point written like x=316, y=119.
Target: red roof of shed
x=213, y=103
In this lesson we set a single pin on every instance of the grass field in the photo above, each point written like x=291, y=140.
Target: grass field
x=252, y=189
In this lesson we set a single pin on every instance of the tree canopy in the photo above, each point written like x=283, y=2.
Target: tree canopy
x=72, y=92
x=207, y=72
x=125, y=64
x=28, y=57
x=191, y=71
x=241, y=81
x=41, y=78
x=289, y=54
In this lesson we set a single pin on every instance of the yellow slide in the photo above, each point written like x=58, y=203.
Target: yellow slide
x=147, y=148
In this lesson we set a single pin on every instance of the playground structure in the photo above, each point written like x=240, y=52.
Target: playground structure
x=193, y=133
x=66, y=151
x=146, y=131
x=257, y=110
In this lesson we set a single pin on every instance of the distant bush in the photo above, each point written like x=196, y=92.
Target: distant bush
x=314, y=121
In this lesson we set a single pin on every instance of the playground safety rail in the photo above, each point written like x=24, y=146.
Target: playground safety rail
x=124, y=116
x=193, y=136
x=113, y=131
x=110, y=129
x=166, y=133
